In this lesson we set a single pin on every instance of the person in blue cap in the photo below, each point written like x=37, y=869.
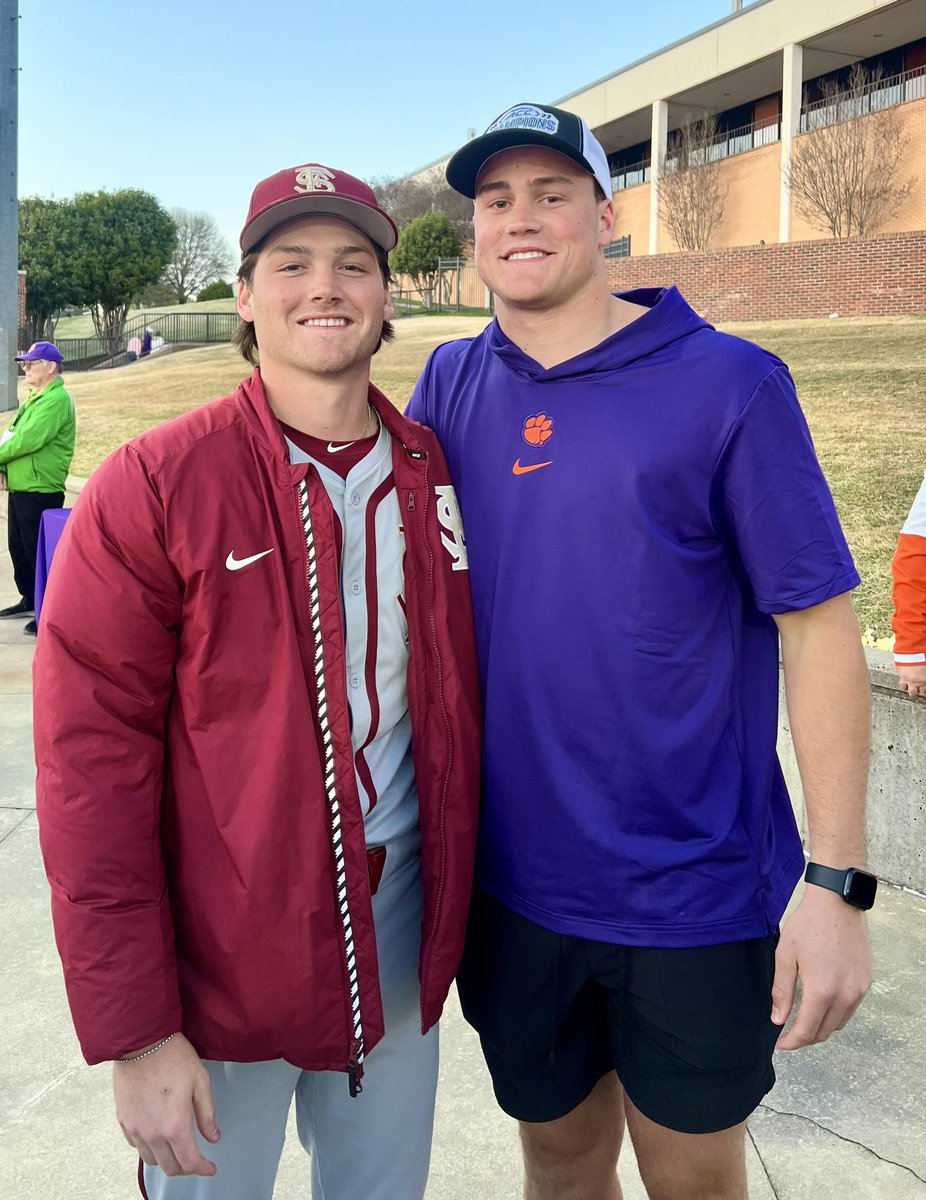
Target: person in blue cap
x=35, y=457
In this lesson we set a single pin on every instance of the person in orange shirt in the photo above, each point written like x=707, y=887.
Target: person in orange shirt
x=909, y=595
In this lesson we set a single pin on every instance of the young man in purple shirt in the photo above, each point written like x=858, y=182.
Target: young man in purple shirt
x=645, y=519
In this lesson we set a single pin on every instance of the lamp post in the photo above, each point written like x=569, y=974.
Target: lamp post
x=9, y=212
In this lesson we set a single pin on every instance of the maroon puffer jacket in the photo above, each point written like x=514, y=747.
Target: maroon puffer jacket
x=181, y=795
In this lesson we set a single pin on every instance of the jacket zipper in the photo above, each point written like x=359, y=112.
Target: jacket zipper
x=429, y=940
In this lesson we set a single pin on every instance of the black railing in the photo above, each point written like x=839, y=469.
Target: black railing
x=198, y=328
x=728, y=143
x=725, y=144
x=875, y=95
x=619, y=248
x=632, y=176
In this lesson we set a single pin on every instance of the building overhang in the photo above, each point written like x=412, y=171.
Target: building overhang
x=739, y=59
x=735, y=61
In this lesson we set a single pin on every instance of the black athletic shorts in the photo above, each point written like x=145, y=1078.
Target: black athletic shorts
x=688, y=1031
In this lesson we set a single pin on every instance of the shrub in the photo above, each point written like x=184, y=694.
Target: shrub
x=220, y=290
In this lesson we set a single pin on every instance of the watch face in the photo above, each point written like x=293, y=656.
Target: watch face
x=860, y=888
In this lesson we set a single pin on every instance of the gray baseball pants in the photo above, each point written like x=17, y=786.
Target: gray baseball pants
x=374, y=1147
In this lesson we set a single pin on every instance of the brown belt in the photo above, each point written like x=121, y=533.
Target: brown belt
x=376, y=862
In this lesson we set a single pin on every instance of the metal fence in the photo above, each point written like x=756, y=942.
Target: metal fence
x=632, y=176
x=198, y=328
x=876, y=95
x=725, y=144
x=458, y=288
x=729, y=143
x=619, y=248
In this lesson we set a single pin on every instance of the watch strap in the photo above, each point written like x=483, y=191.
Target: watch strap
x=855, y=886
x=828, y=877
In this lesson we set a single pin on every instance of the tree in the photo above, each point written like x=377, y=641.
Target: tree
x=200, y=256
x=691, y=193
x=422, y=243
x=47, y=251
x=97, y=250
x=220, y=290
x=406, y=199
x=845, y=174
x=125, y=239
x=155, y=295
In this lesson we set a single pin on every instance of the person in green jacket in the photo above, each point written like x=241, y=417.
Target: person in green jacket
x=35, y=456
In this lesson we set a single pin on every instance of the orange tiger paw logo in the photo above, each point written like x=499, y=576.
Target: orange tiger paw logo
x=537, y=429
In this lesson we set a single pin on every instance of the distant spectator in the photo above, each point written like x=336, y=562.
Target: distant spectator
x=909, y=623
x=146, y=341
x=35, y=456
x=133, y=349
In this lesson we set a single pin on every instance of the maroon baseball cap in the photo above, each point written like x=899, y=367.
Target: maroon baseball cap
x=314, y=190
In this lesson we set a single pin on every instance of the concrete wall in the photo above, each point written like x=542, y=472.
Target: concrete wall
x=631, y=217
x=897, y=784
x=751, y=196
x=73, y=486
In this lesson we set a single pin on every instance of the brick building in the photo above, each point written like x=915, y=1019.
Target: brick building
x=761, y=73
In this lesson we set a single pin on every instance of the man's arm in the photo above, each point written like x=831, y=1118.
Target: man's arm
x=34, y=429
x=824, y=943
x=103, y=684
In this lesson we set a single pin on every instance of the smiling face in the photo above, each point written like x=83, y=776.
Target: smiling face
x=316, y=298
x=539, y=230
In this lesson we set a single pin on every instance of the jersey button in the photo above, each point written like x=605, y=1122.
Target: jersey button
x=356, y=588
x=355, y=681
x=355, y=500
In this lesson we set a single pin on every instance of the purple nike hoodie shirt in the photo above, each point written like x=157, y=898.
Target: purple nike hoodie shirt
x=633, y=519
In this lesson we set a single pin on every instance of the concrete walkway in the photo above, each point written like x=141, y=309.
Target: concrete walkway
x=846, y=1119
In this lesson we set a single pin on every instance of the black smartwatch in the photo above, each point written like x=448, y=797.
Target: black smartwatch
x=856, y=887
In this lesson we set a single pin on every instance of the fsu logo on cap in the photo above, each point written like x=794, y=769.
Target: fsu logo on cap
x=314, y=179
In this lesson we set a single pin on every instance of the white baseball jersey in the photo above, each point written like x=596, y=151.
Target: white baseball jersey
x=376, y=636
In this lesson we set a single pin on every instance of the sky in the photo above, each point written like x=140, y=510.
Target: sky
x=197, y=100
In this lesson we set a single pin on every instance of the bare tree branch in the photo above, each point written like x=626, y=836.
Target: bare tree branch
x=201, y=256
x=407, y=199
x=691, y=193
x=846, y=173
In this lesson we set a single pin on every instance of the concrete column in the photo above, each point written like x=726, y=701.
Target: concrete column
x=659, y=136
x=9, y=210
x=792, y=87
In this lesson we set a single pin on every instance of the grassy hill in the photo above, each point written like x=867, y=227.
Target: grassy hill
x=862, y=383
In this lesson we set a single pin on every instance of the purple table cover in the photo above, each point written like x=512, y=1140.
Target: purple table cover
x=53, y=523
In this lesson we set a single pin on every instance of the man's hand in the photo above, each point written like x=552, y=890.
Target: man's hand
x=157, y=1100
x=824, y=944
x=912, y=678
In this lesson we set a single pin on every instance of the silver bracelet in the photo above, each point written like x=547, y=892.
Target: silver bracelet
x=150, y=1050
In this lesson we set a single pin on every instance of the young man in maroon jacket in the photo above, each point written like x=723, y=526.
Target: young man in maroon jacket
x=256, y=726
